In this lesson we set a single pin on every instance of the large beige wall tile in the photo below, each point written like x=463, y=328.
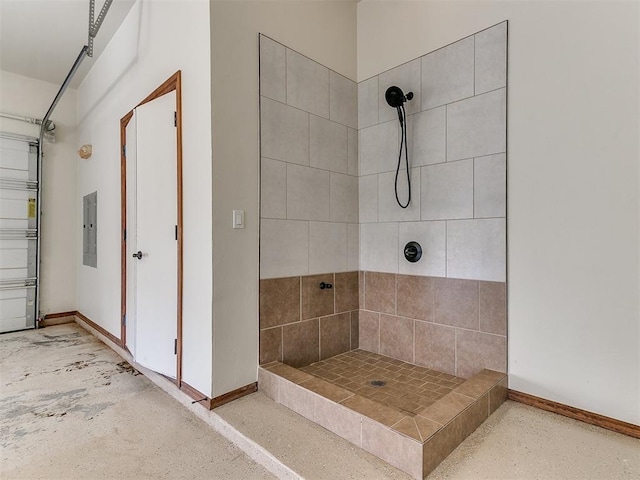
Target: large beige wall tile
x=317, y=302
x=491, y=58
x=328, y=147
x=335, y=335
x=447, y=191
x=284, y=132
x=369, y=331
x=307, y=193
x=301, y=343
x=477, y=249
x=435, y=347
x=368, y=102
x=447, y=74
x=343, y=198
x=380, y=292
x=477, y=350
x=307, y=84
x=343, y=100
x=477, y=126
x=273, y=72
x=396, y=337
x=327, y=247
x=456, y=303
x=284, y=248
x=273, y=189
x=415, y=297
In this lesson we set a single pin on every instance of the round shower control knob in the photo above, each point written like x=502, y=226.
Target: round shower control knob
x=412, y=252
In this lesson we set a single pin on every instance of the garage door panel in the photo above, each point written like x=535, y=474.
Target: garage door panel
x=14, y=159
x=13, y=293
x=18, y=232
x=14, y=307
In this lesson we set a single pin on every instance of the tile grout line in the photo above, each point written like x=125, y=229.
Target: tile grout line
x=308, y=222
x=414, y=342
x=293, y=107
x=446, y=251
x=446, y=133
x=286, y=76
x=334, y=291
x=351, y=330
x=473, y=187
x=474, y=65
x=455, y=351
x=395, y=282
x=286, y=190
x=319, y=341
x=329, y=94
x=478, y=284
x=379, y=328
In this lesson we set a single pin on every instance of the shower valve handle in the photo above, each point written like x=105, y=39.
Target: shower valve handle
x=327, y=286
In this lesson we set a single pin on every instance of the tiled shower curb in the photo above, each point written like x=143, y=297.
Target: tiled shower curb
x=441, y=427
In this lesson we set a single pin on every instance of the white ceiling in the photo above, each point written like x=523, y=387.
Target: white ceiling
x=42, y=38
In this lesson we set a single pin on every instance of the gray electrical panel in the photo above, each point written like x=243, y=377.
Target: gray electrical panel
x=89, y=230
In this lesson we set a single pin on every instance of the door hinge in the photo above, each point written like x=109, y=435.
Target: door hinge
x=175, y=346
x=175, y=119
x=124, y=150
x=176, y=232
x=124, y=235
x=124, y=320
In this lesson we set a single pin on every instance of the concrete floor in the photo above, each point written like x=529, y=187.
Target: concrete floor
x=71, y=408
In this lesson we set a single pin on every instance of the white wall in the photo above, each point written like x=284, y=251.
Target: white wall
x=322, y=30
x=27, y=97
x=573, y=183
x=156, y=39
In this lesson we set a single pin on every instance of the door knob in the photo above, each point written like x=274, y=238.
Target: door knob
x=138, y=255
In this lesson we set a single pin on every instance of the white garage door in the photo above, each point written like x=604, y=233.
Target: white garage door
x=18, y=232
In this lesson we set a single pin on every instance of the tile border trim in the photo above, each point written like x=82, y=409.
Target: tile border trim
x=272, y=375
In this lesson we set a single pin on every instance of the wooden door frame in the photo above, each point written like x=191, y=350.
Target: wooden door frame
x=173, y=83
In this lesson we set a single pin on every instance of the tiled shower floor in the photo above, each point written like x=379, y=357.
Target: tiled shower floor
x=406, y=387
x=417, y=418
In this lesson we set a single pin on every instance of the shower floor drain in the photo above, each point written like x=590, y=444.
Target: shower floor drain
x=378, y=383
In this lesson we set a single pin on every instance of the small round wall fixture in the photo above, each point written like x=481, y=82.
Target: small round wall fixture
x=412, y=252
x=85, y=151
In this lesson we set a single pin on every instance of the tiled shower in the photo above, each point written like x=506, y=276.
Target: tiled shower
x=339, y=304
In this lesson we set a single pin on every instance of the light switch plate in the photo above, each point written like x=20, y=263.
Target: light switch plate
x=238, y=219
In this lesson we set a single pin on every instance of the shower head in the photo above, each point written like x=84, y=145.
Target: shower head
x=395, y=97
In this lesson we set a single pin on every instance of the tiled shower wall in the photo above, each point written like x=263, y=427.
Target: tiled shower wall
x=309, y=232
x=448, y=310
x=457, y=143
x=450, y=325
x=301, y=324
x=309, y=166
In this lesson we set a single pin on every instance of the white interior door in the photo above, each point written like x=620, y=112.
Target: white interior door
x=156, y=271
x=132, y=246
